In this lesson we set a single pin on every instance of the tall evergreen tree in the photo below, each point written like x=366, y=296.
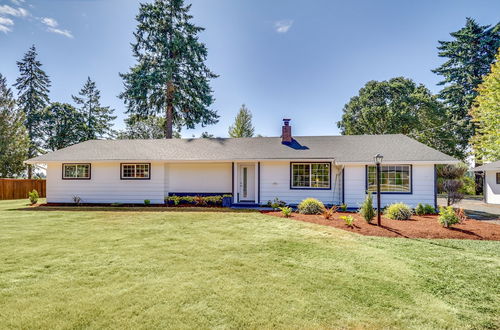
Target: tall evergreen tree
x=14, y=141
x=170, y=76
x=98, y=119
x=151, y=127
x=486, y=116
x=242, y=126
x=399, y=106
x=33, y=96
x=469, y=56
x=63, y=125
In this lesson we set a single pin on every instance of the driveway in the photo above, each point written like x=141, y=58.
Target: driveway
x=477, y=209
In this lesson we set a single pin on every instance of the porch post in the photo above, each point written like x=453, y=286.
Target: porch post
x=256, y=174
x=235, y=182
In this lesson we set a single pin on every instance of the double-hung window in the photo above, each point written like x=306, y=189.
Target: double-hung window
x=310, y=175
x=393, y=178
x=76, y=172
x=139, y=171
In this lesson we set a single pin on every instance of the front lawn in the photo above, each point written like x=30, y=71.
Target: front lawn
x=156, y=269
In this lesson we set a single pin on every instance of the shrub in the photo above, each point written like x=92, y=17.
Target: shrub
x=77, y=199
x=175, y=199
x=366, y=209
x=398, y=211
x=276, y=203
x=343, y=207
x=329, y=212
x=200, y=201
x=429, y=209
x=422, y=209
x=447, y=216
x=348, y=219
x=311, y=206
x=461, y=214
x=451, y=181
x=33, y=196
x=147, y=202
x=213, y=200
x=286, y=211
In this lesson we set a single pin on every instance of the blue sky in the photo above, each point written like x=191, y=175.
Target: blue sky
x=298, y=59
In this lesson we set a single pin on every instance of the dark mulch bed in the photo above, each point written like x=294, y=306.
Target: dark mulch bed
x=418, y=227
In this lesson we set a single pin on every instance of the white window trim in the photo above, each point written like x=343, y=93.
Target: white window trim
x=123, y=177
x=64, y=177
x=410, y=180
x=310, y=176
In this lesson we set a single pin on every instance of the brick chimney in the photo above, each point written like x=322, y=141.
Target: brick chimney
x=286, y=132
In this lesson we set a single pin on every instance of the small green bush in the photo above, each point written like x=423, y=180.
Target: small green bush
x=398, y=211
x=276, y=203
x=311, y=206
x=343, y=207
x=348, y=219
x=33, y=196
x=422, y=209
x=429, y=209
x=147, y=202
x=77, y=200
x=366, y=210
x=447, y=216
x=286, y=211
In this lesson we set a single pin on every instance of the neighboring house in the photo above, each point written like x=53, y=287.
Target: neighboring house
x=491, y=181
x=333, y=169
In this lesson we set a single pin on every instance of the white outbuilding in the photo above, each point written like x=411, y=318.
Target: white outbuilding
x=491, y=179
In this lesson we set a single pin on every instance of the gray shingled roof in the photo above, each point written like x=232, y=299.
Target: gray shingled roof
x=488, y=167
x=348, y=148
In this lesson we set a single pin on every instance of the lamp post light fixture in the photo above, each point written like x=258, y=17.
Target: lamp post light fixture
x=378, y=160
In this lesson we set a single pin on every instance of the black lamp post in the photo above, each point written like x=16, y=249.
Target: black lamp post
x=378, y=160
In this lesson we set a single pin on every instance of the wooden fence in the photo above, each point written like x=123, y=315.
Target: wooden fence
x=19, y=188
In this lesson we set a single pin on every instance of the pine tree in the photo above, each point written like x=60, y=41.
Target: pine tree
x=469, y=57
x=486, y=116
x=14, y=141
x=151, y=127
x=33, y=96
x=63, y=125
x=242, y=124
x=98, y=119
x=170, y=76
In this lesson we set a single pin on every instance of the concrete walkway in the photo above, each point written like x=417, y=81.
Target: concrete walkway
x=477, y=209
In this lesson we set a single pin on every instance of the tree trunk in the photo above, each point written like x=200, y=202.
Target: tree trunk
x=30, y=171
x=169, y=114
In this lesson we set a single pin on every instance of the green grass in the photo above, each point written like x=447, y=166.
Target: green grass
x=151, y=269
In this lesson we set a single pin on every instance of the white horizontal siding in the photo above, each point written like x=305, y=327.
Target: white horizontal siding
x=198, y=177
x=492, y=189
x=105, y=185
x=275, y=182
x=423, y=187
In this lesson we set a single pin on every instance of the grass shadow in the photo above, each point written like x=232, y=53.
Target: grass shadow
x=129, y=209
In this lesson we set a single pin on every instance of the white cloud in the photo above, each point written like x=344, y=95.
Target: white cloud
x=8, y=10
x=65, y=33
x=52, y=24
x=4, y=29
x=5, y=23
x=283, y=26
x=49, y=21
x=17, y=2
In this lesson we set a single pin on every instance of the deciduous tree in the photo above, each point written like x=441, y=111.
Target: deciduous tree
x=398, y=106
x=170, y=76
x=485, y=114
x=63, y=125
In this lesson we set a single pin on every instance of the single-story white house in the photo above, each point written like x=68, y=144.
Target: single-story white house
x=491, y=182
x=333, y=169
